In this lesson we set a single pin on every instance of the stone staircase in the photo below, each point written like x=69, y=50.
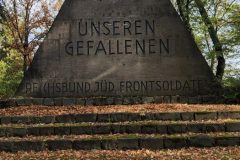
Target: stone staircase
x=120, y=131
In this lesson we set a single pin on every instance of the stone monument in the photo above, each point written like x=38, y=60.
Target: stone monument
x=111, y=48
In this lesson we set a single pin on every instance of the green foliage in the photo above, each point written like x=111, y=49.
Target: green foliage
x=232, y=82
x=10, y=74
x=10, y=66
x=225, y=17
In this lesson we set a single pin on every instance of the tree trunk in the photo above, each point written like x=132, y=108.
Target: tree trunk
x=216, y=42
x=25, y=65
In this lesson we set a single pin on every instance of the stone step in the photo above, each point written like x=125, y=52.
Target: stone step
x=121, y=142
x=142, y=127
x=120, y=117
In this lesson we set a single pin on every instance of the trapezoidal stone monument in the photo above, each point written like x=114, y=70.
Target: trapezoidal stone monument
x=103, y=48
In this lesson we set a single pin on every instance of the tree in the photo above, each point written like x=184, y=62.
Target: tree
x=27, y=21
x=20, y=33
x=184, y=11
x=214, y=25
x=2, y=17
x=215, y=40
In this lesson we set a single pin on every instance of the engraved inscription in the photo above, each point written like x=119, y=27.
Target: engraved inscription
x=123, y=37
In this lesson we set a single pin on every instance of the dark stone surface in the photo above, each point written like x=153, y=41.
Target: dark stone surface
x=103, y=118
x=2, y=132
x=232, y=127
x=127, y=101
x=28, y=102
x=62, y=130
x=110, y=101
x=128, y=143
x=215, y=127
x=167, y=99
x=68, y=118
x=86, y=144
x=137, y=100
x=19, y=120
x=148, y=100
x=148, y=116
x=7, y=103
x=196, y=128
x=54, y=145
x=34, y=131
x=183, y=99
x=157, y=99
x=175, y=143
x=168, y=116
x=162, y=129
x=118, y=101
x=36, y=145
x=209, y=99
x=20, y=102
x=176, y=128
x=97, y=101
x=201, y=141
x=227, y=141
x=6, y=146
x=28, y=146
x=45, y=131
x=134, y=117
x=81, y=102
x=89, y=102
x=228, y=115
x=205, y=116
x=85, y=118
x=46, y=119
x=230, y=101
x=48, y=102
x=35, y=120
x=187, y=116
x=119, y=117
x=152, y=143
x=6, y=120
x=121, y=144
x=58, y=101
x=8, y=132
x=175, y=99
x=101, y=129
x=194, y=100
x=19, y=132
x=69, y=101
x=234, y=115
x=109, y=144
x=133, y=128
x=238, y=98
x=118, y=129
x=37, y=101
x=78, y=130
x=149, y=129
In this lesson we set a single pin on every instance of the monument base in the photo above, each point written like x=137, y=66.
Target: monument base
x=101, y=101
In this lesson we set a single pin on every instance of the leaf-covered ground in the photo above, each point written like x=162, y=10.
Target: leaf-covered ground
x=116, y=136
x=217, y=153
x=58, y=110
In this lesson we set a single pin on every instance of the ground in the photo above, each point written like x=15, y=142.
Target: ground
x=141, y=108
x=217, y=153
